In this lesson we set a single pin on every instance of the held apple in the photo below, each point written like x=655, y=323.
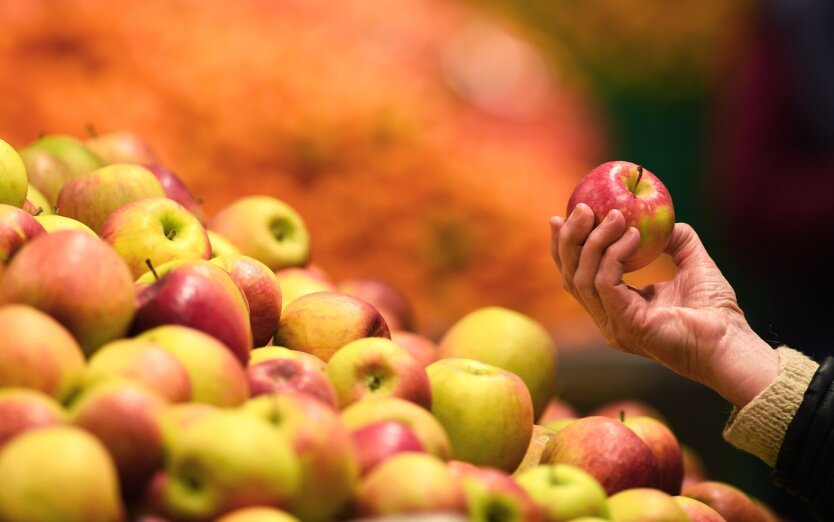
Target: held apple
x=565, y=492
x=22, y=409
x=13, y=180
x=639, y=195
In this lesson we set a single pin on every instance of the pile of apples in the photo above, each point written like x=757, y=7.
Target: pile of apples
x=160, y=365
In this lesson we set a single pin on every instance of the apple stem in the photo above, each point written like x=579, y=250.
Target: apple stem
x=171, y=234
x=152, y=269
x=622, y=415
x=38, y=211
x=639, y=177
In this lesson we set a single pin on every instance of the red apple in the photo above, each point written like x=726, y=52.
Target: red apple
x=262, y=291
x=628, y=408
x=730, y=502
x=22, y=410
x=78, y=280
x=419, y=346
x=200, y=295
x=120, y=147
x=557, y=409
x=285, y=375
x=639, y=195
x=17, y=227
x=391, y=303
x=694, y=470
x=267, y=353
x=608, y=450
x=380, y=440
x=175, y=189
x=666, y=448
x=698, y=511
x=377, y=367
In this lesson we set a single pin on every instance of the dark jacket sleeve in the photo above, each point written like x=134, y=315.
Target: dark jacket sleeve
x=805, y=464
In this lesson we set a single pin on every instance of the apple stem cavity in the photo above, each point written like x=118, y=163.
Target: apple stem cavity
x=171, y=234
x=152, y=269
x=374, y=382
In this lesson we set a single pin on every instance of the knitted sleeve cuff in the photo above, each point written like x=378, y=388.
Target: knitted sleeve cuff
x=760, y=426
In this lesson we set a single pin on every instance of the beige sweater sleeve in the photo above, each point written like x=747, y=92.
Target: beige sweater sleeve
x=760, y=426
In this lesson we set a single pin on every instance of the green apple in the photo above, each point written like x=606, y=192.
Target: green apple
x=156, y=229
x=324, y=447
x=645, y=505
x=540, y=444
x=257, y=514
x=92, y=197
x=46, y=172
x=220, y=246
x=77, y=158
x=409, y=483
x=67, y=470
x=297, y=282
x=22, y=409
x=424, y=425
x=216, y=376
x=53, y=223
x=565, y=492
x=142, y=361
x=228, y=460
x=486, y=411
x=39, y=201
x=509, y=340
x=37, y=352
x=13, y=180
x=377, y=367
x=323, y=322
x=78, y=280
x=265, y=228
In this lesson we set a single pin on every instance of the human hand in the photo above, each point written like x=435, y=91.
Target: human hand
x=691, y=324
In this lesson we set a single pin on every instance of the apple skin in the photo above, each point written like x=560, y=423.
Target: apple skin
x=608, y=450
x=287, y=376
x=13, y=179
x=730, y=502
x=409, y=483
x=557, y=409
x=120, y=147
x=45, y=172
x=697, y=511
x=92, y=197
x=391, y=303
x=491, y=494
x=22, y=409
x=540, y=445
x=216, y=376
x=323, y=322
x=175, y=189
x=377, y=367
x=78, y=280
x=666, y=448
x=265, y=228
x=84, y=475
x=428, y=429
x=486, y=411
x=324, y=447
x=645, y=505
x=200, y=295
x=220, y=246
x=297, y=282
x=380, y=440
x=262, y=291
x=228, y=460
x=510, y=340
x=564, y=492
x=159, y=229
x=141, y=361
x=39, y=202
x=419, y=346
x=17, y=227
x=257, y=514
x=53, y=223
x=71, y=152
x=628, y=408
x=266, y=353
x=126, y=417
x=641, y=197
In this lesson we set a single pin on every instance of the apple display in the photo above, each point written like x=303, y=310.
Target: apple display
x=729, y=501
x=13, y=179
x=286, y=376
x=608, y=450
x=323, y=322
x=265, y=228
x=509, y=340
x=645, y=505
x=262, y=291
x=380, y=440
x=17, y=227
x=216, y=376
x=409, y=483
x=329, y=468
x=666, y=448
x=175, y=189
x=92, y=197
x=45, y=172
x=200, y=295
x=155, y=229
x=22, y=409
x=297, y=282
x=382, y=295
x=486, y=411
x=65, y=459
x=641, y=197
x=564, y=492
x=493, y=495
x=144, y=362
x=419, y=346
x=377, y=367
x=78, y=280
x=428, y=429
x=697, y=511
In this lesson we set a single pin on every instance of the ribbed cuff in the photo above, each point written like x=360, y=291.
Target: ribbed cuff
x=759, y=427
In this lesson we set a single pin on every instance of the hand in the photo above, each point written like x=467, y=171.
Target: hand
x=691, y=324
